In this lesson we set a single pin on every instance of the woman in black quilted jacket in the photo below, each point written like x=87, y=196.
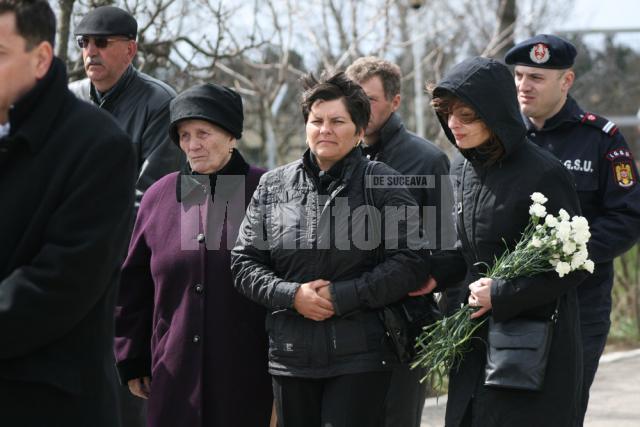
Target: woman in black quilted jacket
x=308, y=252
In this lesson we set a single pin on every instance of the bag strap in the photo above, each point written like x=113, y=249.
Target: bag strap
x=370, y=203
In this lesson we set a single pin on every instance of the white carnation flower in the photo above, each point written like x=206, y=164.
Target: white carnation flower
x=581, y=237
x=580, y=256
x=580, y=227
x=539, y=198
x=535, y=242
x=588, y=265
x=564, y=215
x=563, y=268
x=551, y=221
x=538, y=210
x=563, y=231
x=579, y=223
x=569, y=247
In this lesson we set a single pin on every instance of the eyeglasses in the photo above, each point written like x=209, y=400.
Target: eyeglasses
x=100, y=42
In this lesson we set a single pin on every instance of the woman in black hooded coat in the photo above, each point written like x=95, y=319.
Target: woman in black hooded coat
x=494, y=176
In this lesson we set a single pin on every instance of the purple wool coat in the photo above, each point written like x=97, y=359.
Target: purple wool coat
x=179, y=318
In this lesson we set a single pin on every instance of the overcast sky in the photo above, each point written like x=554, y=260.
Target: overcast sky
x=604, y=14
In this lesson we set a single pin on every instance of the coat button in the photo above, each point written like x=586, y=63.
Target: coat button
x=196, y=339
x=199, y=288
x=200, y=237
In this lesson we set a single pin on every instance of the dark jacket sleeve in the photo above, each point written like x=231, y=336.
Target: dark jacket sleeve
x=512, y=297
x=84, y=241
x=404, y=265
x=618, y=227
x=134, y=307
x=250, y=260
x=158, y=154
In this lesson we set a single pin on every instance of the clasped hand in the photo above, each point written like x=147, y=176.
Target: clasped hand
x=313, y=300
x=480, y=296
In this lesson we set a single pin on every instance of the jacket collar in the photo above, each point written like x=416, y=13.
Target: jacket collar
x=33, y=116
x=339, y=174
x=389, y=129
x=117, y=89
x=386, y=133
x=569, y=113
x=188, y=181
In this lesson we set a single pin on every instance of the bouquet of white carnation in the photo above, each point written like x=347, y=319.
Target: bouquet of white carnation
x=548, y=243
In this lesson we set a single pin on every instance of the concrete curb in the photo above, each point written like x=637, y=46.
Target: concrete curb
x=619, y=355
x=606, y=358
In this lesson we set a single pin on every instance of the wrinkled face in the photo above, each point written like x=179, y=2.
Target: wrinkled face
x=381, y=107
x=468, y=130
x=104, y=66
x=541, y=92
x=207, y=146
x=19, y=69
x=331, y=134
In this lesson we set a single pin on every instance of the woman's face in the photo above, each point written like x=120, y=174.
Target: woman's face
x=468, y=130
x=207, y=146
x=331, y=134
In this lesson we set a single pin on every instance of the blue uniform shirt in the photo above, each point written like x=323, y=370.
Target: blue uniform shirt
x=606, y=177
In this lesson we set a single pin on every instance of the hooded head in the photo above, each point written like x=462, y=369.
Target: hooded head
x=486, y=86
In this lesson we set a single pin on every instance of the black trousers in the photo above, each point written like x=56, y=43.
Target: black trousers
x=592, y=348
x=405, y=398
x=343, y=401
x=132, y=408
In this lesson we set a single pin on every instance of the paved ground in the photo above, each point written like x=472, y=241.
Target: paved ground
x=615, y=395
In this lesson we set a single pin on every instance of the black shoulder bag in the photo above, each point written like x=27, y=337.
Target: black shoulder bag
x=403, y=320
x=518, y=351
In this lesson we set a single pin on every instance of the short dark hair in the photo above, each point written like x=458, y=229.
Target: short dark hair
x=35, y=20
x=444, y=102
x=336, y=86
x=367, y=67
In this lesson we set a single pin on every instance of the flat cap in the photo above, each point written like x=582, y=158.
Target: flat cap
x=542, y=51
x=211, y=102
x=107, y=21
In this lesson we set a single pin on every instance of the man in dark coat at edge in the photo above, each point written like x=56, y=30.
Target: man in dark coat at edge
x=387, y=140
x=596, y=153
x=66, y=186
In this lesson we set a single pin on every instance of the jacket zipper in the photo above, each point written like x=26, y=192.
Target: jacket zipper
x=461, y=214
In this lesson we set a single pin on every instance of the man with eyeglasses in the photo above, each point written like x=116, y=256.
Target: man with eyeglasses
x=140, y=103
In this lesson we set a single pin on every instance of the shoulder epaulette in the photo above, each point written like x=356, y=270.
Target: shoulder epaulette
x=605, y=125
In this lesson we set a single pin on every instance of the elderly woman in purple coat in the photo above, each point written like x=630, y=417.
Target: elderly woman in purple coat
x=185, y=339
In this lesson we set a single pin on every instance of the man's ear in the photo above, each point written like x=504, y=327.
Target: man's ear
x=395, y=102
x=567, y=80
x=43, y=56
x=132, y=49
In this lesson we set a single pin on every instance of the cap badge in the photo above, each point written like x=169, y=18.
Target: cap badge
x=539, y=53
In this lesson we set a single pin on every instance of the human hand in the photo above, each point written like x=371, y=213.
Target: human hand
x=310, y=303
x=480, y=296
x=140, y=387
x=324, y=292
x=427, y=288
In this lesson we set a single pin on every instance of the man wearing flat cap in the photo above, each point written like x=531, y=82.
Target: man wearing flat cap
x=140, y=103
x=593, y=149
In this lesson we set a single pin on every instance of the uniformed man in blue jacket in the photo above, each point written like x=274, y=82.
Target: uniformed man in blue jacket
x=594, y=150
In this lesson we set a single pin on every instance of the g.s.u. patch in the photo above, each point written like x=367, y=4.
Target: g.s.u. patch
x=622, y=164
